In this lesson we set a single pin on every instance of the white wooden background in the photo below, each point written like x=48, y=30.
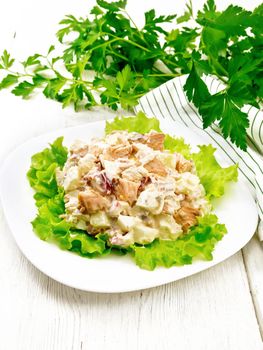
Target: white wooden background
x=221, y=308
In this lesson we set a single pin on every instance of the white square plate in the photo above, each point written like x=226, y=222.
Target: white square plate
x=112, y=274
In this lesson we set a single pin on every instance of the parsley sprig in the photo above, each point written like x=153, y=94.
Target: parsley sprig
x=112, y=62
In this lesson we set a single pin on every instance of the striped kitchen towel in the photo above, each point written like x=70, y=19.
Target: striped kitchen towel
x=170, y=101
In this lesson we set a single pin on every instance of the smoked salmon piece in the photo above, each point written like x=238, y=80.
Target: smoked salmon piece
x=126, y=190
x=155, y=166
x=92, y=201
x=186, y=216
x=155, y=141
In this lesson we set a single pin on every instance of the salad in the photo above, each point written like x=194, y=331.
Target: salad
x=136, y=190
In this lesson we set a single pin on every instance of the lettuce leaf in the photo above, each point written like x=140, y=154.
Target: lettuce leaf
x=48, y=224
x=198, y=243
x=139, y=123
x=177, y=145
x=59, y=152
x=212, y=176
x=41, y=174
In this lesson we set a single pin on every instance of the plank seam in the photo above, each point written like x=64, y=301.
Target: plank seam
x=252, y=296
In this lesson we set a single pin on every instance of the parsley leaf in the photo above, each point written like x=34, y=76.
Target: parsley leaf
x=124, y=78
x=6, y=61
x=113, y=6
x=196, y=90
x=24, y=89
x=9, y=80
x=234, y=123
x=53, y=87
x=31, y=60
x=188, y=14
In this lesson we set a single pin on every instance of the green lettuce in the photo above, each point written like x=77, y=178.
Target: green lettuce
x=140, y=123
x=177, y=144
x=199, y=242
x=212, y=176
x=48, y=224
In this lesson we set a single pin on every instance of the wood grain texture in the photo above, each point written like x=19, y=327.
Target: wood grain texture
x=253, y=258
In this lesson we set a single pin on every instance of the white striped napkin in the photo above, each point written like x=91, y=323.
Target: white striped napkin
x=170, y=101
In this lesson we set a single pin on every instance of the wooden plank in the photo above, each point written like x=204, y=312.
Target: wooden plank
x=253, y=258
x=211, y=310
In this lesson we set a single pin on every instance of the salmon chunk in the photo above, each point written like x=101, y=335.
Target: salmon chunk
x=126, y=190
x=186, y=216
x=95, y=149
x=155, y=166
x=119, y=151
x=183, y=165
x=92, y=201
x=155, y=141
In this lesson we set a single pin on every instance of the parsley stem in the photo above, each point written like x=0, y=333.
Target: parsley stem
x=130, y=18
x=160, y=75
x=20, y=75
x=87, y=83
x=128, y=41
x=167, y=62
x=221, y=78
x=135, y=44
x=138, y=33
x=138, y=95
x=104, y=44
x=118, y=55
x=137, y=84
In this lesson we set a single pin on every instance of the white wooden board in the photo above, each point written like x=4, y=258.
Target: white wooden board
x=216, y=309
